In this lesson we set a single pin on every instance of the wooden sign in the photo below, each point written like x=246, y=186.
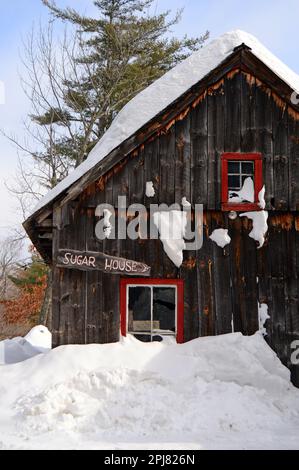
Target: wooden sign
x=96, y=261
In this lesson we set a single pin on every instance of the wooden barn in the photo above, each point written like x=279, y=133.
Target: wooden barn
x=222, y=130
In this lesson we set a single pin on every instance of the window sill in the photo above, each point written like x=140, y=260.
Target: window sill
x=239, y=207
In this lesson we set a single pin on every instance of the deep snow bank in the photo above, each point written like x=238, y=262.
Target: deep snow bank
x=219, y=392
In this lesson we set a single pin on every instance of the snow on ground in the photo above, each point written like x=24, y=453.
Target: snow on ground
x=219, y=392
x=40, y=337
x=38, y=340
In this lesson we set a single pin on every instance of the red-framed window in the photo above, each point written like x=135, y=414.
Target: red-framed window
x=152, y=308
x=242, y=180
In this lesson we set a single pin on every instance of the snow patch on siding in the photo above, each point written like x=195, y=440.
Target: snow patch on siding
x=172, y=226
x=263, y=317
x=260, y=226
x=261, y=197
x=107, y=223
x=185, y=203
x=221, y=237
x=149, y=189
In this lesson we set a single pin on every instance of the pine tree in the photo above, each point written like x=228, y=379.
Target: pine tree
x=119, y=53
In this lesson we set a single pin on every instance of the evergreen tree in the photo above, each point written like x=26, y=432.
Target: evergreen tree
x=31, y=274
x=118, y=53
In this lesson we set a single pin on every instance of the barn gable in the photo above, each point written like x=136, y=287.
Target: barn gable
x=243, y=80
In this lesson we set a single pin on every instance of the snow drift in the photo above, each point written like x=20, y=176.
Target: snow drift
x=217, y=392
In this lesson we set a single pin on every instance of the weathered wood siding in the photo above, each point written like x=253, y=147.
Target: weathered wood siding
x=222, y=287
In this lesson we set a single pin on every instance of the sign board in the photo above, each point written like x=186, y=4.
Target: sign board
x=96, y=261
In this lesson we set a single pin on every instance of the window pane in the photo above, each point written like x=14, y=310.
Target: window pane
x=248, y=168
x=234, y=182
x=164, y=309
x=233, y=167
x=139, y=315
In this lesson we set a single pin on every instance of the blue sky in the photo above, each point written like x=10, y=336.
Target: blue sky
x=274, y=22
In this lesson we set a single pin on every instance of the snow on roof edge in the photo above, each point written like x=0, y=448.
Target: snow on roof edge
x=164, y=91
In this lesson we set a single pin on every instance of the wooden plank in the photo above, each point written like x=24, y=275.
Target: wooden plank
x=136, y=178
x=281, y=158
x=167, y=166
x=293, y=167
x=237, y=275
x=216, y=103
x=250, y=274
x=188, y=273
x=77, y=306
x=264, y=140
x=199, y=152
x=249, y=111
x=205, y=283
x=183, y=159
x=152, y=169
x=278, y=319
x=232, y=110
x=94, y=296
x=221, y=272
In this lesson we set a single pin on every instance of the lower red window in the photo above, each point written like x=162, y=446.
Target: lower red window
x=152, y=309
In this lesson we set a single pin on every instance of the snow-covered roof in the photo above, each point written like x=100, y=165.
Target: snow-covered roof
x=164, y=91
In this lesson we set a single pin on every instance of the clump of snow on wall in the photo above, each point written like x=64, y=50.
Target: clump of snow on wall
x=221, y=237
x=260, y=226
x=261, y=197
x=38, y=340
x=246, y=193
x=185, y=203
x=107, y=224
x=149, y=189
x=172, y=226
x=263, y=317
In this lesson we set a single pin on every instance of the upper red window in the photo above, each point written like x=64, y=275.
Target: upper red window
x=152, y=308
x=242, y=180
